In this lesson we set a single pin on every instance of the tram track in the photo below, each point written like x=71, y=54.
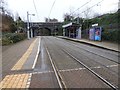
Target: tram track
x=57, y=73
x=105, y=58
x=100, y=64
x=91, y=51
x=96, y=74
x=88, y=68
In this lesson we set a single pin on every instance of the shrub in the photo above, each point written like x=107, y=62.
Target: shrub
x=9, y=38
x=111, y=35
x=6, y=41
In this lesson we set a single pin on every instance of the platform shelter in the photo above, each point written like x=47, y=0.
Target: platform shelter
x=70, y=30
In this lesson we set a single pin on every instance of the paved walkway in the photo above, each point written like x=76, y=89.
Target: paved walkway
x=21, y=56
x=102, y=44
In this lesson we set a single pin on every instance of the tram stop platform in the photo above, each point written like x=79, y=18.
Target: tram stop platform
x=18, y=62
x=101, y=44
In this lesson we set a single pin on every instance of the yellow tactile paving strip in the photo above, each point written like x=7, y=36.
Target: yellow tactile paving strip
x=18, y=80
x=15, y=81
x=22, y=60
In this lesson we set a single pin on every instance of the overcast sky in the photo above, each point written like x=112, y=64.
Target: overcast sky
x=60, y=7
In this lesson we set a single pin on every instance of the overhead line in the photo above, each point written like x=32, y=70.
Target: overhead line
x=84, y=5
x=36, y=9
x=51, y=8
x=92, y=6
x=80, y=7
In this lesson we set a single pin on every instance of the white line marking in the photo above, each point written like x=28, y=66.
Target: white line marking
x=29, y=80
x=42, y=72
x=35, y=61
x=76, y=69
x=113, y=65
x=37, y=54
x=71, y=69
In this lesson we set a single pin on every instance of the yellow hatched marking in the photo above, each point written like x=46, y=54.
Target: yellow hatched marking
x=22, y=60
x=15, y=81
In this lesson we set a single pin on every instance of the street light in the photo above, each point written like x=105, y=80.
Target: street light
x=28, y=35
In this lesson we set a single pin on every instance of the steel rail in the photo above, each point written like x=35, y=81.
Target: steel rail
x=100, y=77
x=97, y=61
x=57, y=73
x=94, y=73
x=94, y=53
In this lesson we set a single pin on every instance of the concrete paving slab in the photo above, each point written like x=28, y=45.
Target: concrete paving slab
x=82, y=79
x=44, y=80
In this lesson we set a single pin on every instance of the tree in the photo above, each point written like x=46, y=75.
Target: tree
x=51, y=20
x=78, y=20
x=46, y=20
x=68, y=18
x=3, y=6
x=7, y=23
x=87, y=14
x=96, y=15
x=17, y=16
x=19, y=24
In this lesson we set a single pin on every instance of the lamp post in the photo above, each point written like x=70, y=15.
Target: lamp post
x=28, y=34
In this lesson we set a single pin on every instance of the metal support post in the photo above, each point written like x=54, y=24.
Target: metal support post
x=28, y=34
x=31, y=33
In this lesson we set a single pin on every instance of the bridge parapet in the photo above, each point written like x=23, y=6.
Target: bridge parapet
x=49, y=25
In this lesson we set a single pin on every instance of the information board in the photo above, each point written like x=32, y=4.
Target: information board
x=95, y=33
x=98, y=34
